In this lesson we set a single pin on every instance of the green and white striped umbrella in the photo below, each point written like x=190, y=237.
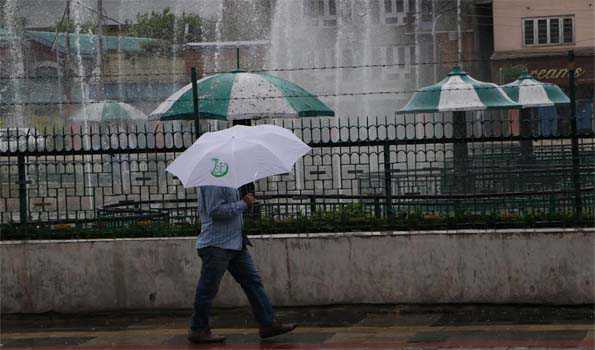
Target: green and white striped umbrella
x=108, y=111
x=241, y=95
x=530, y=92
x=458, y=92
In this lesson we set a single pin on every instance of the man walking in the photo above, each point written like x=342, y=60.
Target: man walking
x=222, y=246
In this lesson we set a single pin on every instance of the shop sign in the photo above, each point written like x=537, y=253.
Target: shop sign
x=554, y=70
x=541, y=73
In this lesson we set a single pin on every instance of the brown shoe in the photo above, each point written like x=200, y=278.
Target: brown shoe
x=204, y=337
x=276, y=329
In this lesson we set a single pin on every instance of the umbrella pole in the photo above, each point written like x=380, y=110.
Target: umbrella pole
x=525, y=130
x=250, y=187
x=460, y=154
x=195, y=102
x=576, y=165
x=237, y=58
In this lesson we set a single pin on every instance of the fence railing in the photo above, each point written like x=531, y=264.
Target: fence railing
x=387, y=165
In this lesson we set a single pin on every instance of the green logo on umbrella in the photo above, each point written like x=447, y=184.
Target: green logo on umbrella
x=220, y=168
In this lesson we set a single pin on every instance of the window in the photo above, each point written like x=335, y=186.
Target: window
x=346, y=13
x=400, y=6
x=375, y=11
x=401, y=51
x=548, y=30
x=542, y=31
x=555, y=30
x=321, y=12
x=390, y=59
x=377, y=59
x=398, y=60
x=568, y=30
x=529, y=37
x=332, y=7
x=347, y=60
x=426, y=11
x=325, y=58
x=412, y=55
x=395, y=10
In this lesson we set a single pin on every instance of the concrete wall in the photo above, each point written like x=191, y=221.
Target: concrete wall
x=513, y=266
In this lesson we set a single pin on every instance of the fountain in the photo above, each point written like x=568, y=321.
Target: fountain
x=342, y=33
x=302, y=34
x=307, y=40
x=351, y=34
x=17, y=66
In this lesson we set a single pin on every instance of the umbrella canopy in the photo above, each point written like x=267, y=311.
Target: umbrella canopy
x=108, y=111
x=458, y=92
x=237, y=156
x=530, y=92
x=240, y=95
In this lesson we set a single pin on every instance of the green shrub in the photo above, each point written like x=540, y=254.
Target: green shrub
x=351, y=218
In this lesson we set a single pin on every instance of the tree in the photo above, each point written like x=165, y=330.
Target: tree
x=168, y=28
x=69, y=25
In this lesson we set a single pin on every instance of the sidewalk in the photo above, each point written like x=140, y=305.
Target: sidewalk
x=338, y=327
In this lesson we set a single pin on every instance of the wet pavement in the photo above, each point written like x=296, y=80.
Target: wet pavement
x=337, y=327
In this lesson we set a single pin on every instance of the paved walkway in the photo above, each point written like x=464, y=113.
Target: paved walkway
x=341, y=327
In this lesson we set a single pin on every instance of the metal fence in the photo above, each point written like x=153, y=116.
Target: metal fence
x=402, y=163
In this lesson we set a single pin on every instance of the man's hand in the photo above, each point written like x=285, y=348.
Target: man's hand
x=249, y=199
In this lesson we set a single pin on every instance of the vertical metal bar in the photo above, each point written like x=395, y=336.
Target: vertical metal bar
x=100, y=94
x=67, y=78
x=388, y=181
x=460, y=151
x=238, y=58
x=526, y=134
x=23, y=205
x=459, y=38
x=578, y=205
x=377, y=211
x=193, y=77
x=417, y=36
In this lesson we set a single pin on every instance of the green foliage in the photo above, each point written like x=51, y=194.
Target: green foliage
x=23, y=232
x=350, y=218
x=69, y=25
x=168, y=28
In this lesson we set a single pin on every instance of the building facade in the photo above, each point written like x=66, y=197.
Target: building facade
x=537, y=35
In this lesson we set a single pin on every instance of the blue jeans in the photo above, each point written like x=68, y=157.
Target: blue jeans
x=215, y=261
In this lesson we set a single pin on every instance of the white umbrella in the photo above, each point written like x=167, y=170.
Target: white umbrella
x=237, y=156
